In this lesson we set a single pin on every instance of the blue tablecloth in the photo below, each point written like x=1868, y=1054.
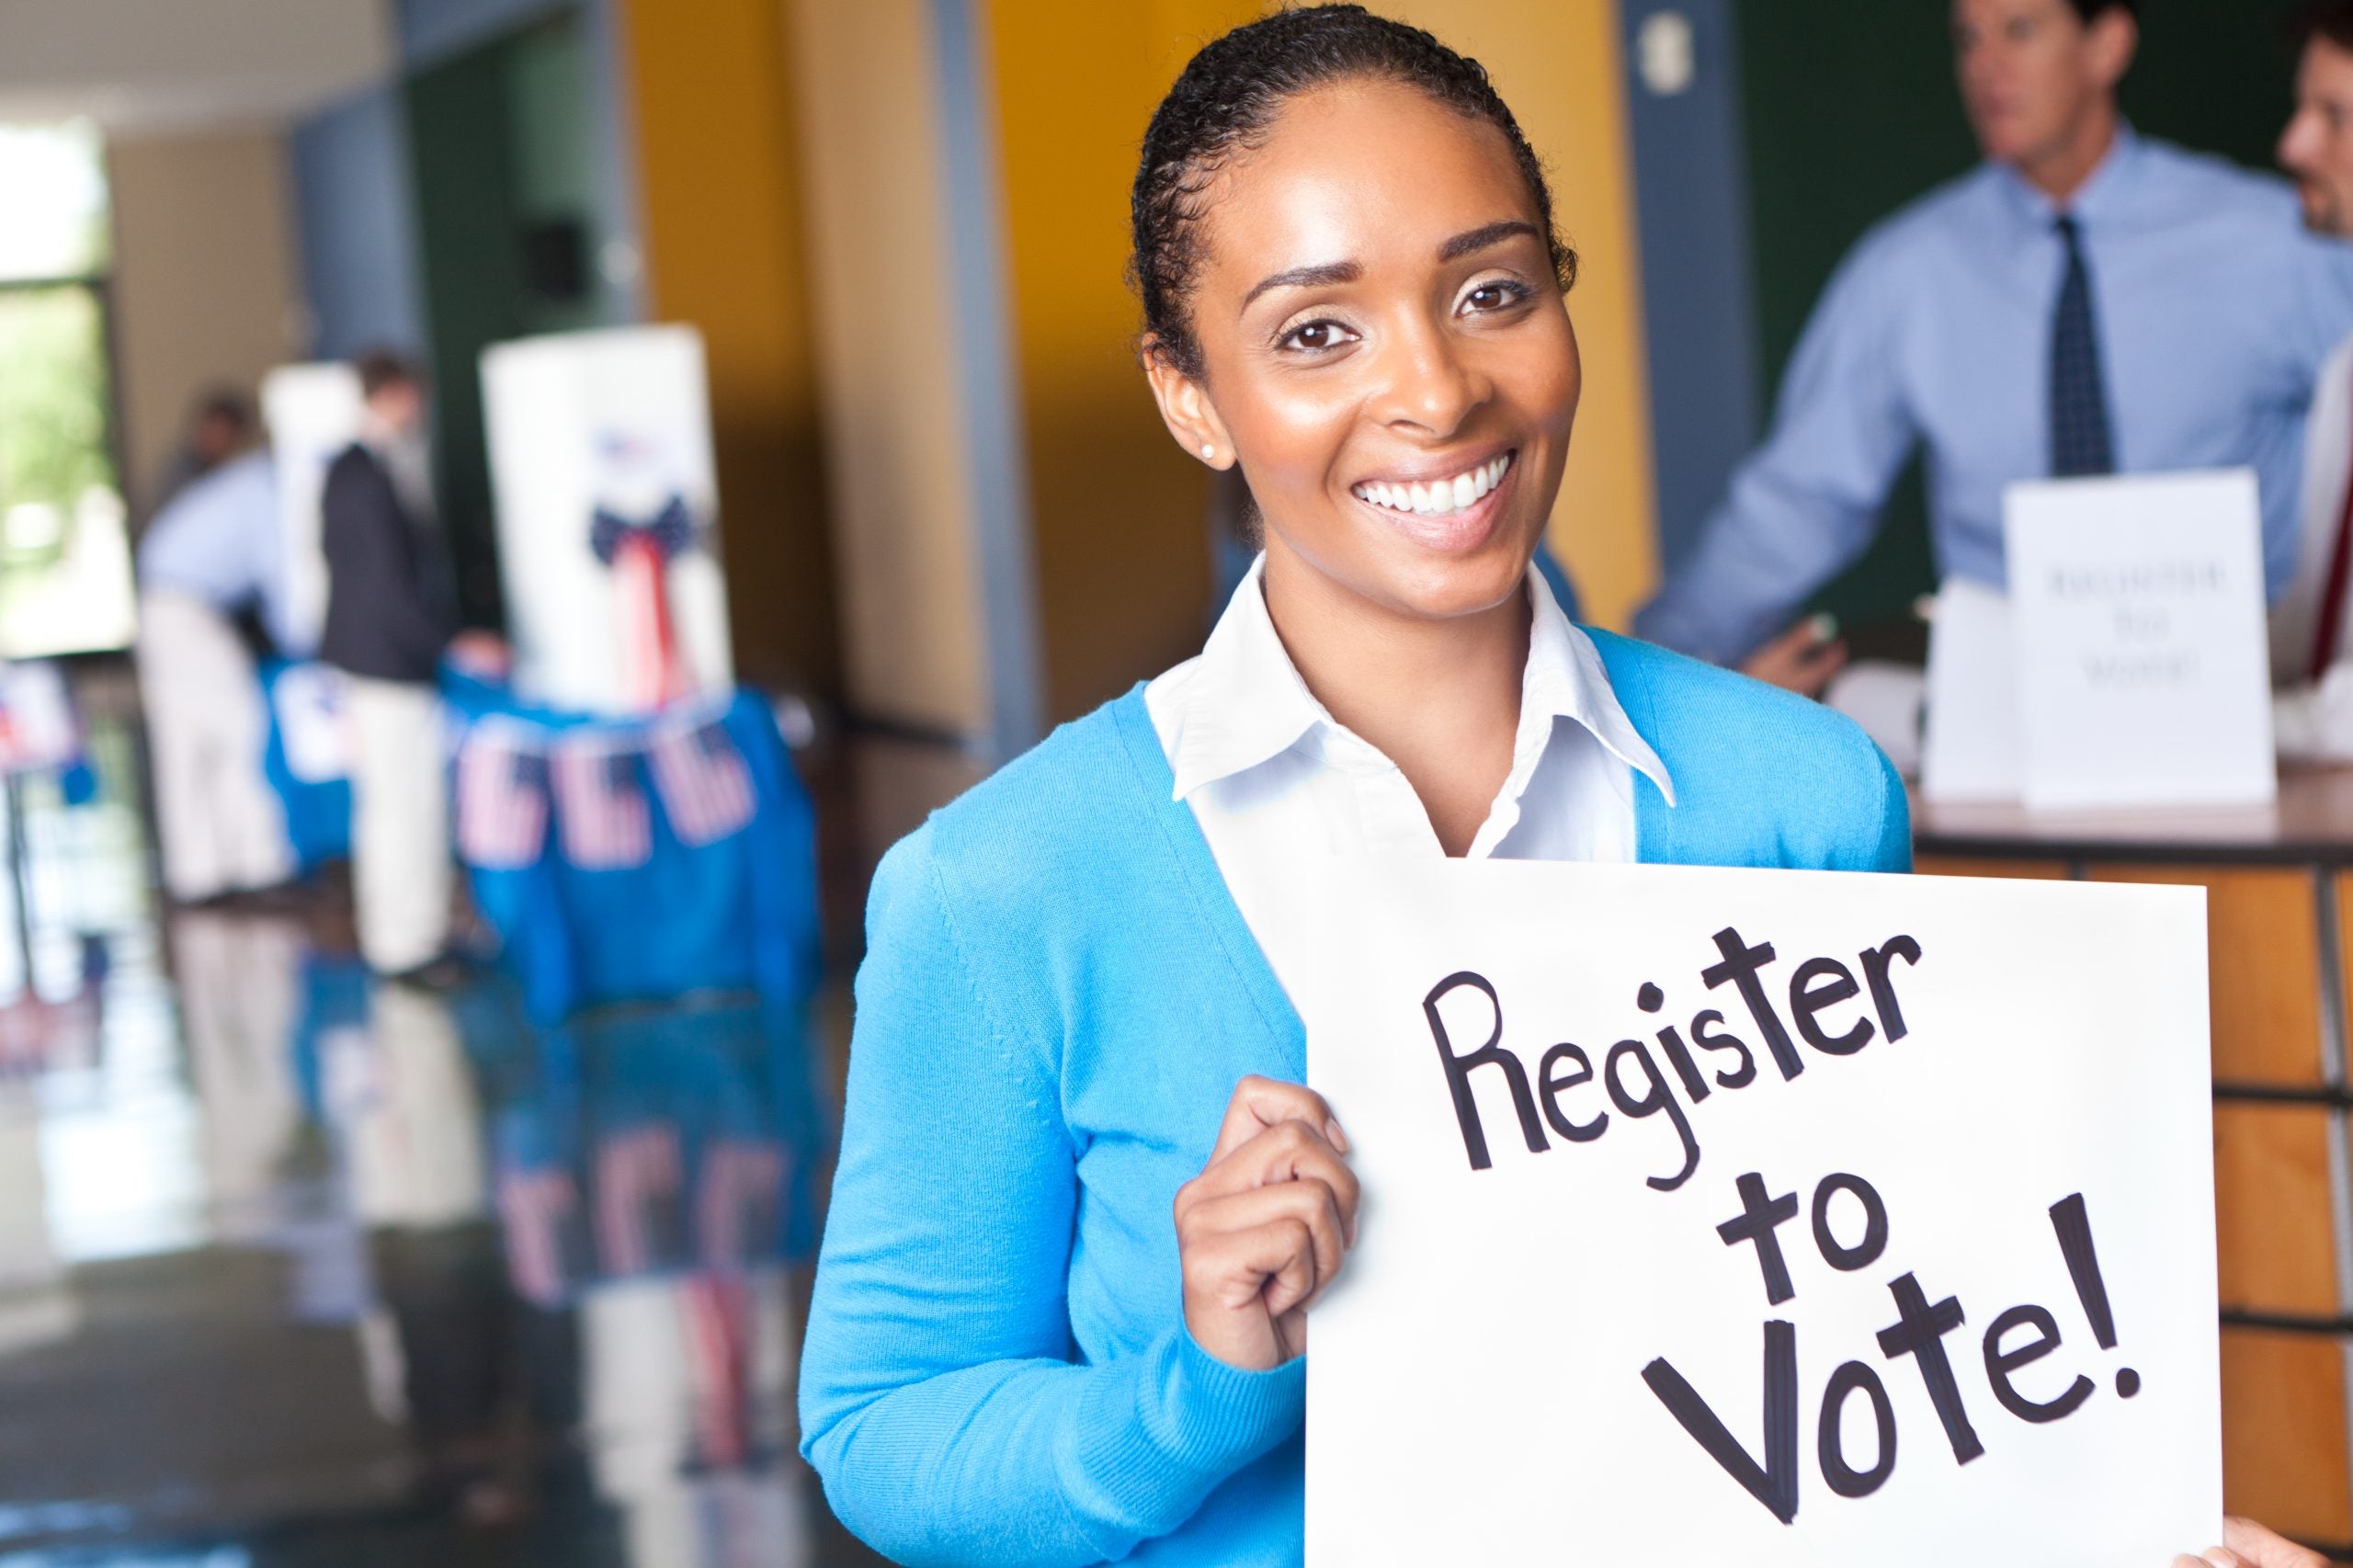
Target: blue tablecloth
x=740, y=913
x=318, y=810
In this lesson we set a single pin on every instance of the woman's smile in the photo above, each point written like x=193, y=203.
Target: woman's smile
x=1455, y=507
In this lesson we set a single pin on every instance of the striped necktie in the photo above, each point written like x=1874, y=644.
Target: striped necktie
x=2079, y=434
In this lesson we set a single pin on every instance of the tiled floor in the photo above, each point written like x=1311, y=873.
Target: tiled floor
x=300, y=1268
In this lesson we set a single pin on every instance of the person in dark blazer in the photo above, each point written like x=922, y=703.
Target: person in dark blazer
x=389, y=620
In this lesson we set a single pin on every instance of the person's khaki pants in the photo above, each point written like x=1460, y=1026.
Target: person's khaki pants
x=400, y=823
x=221, y=827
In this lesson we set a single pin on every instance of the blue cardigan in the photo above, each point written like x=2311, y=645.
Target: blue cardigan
x=1058, y=998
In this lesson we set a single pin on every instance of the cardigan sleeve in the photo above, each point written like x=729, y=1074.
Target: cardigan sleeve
x=940, y=1401
x=1893, y=850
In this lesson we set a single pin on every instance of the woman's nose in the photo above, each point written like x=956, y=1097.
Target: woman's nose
x=1429, y=384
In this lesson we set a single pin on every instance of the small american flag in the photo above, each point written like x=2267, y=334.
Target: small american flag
x=599, y=806
x=502, y=800
x=706, y=788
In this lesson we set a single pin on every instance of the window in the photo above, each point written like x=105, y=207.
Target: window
x=64, y=556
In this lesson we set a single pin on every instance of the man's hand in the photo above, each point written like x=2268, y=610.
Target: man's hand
x=2246, y=1544
x=1802, y=659
x=1261, y=1230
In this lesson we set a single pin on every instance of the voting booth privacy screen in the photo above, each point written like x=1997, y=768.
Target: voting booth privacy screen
x=1764, y=1218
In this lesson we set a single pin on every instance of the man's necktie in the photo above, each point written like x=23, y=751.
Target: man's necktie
x=2079, y=436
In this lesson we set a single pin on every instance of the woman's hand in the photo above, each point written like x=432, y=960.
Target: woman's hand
x=2246, y=1544
x=1261, y=1230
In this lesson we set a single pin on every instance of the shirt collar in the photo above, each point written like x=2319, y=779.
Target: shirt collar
x=1247, y=704
x=2095, y=199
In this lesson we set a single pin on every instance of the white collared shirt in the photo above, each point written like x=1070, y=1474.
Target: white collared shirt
x=1273, y=777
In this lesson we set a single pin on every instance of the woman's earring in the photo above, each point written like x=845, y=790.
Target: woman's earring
x=1209, y=452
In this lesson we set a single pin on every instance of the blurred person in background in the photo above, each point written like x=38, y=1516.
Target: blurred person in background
x=389, y=618
x=2312, y=665
x=220, y=425
x=2086, y=301
x=211, y=558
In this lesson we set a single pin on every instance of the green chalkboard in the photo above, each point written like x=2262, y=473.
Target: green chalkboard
x=1850, y=111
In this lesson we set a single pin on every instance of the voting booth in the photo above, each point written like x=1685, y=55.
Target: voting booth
x=607, y=517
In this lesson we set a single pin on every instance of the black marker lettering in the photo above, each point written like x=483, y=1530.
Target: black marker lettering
x=1875, y=962
x=1920, y=1334
x=1740, y=967
x=1656, y=1097
x=1760, y=1221
x=1457, y=1071
x=1830, y=1438
x=2000, y=1364
x=1775, y=1483
x=1711, y=1037
x=1550, y=1089
x=1864, y=1253
x=1807, y=999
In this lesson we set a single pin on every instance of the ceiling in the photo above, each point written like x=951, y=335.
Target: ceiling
x=153, y=65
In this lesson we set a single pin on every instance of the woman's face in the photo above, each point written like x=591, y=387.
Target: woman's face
x=1385, y=348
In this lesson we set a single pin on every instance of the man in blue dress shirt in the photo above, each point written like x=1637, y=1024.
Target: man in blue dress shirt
x=2084, y=302
x=214, y=551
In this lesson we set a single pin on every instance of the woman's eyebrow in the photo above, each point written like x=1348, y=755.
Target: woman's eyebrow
x=1306, y=278
x=1479, y=239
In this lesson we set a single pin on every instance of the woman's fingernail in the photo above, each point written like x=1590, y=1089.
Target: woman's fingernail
x=1339, y=1139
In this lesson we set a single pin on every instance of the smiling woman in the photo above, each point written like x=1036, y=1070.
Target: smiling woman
x=1072, y=1328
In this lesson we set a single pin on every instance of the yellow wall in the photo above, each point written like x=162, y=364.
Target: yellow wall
x=204, y=286
x=881, y=257
x=719, y=166
x=1118, y=512
x=1556, y=63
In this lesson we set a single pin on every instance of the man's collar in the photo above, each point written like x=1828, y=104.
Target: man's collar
x=2096, y=199
x=1245, y=703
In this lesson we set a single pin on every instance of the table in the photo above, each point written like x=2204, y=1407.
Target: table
x=2279, y=934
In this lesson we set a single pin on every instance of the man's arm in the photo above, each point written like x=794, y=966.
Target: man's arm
x=1806, y=502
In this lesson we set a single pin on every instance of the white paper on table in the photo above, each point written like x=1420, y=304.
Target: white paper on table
x=1885, y=698
x=2140, y=640
x=1969, y=748
x=1477, y=1376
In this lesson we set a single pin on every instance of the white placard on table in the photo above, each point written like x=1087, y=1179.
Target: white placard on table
x=2143, y=656
x=616, y=421
x=314, y=414
x=1969, y=748
x=1765, y=1218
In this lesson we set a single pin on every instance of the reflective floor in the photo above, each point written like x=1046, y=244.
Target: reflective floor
x=301, y=1268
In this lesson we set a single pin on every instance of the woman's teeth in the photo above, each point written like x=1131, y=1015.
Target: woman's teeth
x=1438, y=497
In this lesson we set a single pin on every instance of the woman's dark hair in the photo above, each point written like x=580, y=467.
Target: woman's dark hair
x=1228, y=96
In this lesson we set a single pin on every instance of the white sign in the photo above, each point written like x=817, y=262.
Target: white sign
x=2142, y=655
x=314, y=414
x=594, y=435
x=1970, y=748
x=1765, y=1218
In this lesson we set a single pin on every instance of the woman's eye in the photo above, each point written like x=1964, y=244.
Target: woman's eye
x=1316, y=336
x=1493, y=296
